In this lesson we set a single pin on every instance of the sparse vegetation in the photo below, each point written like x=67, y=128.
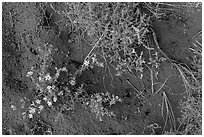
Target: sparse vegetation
x=122, y=42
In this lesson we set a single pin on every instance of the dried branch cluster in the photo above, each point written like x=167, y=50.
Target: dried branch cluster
x=117, y=28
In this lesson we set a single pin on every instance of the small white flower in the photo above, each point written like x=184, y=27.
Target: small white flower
x=99, y=64
x=86, y=63
x=30, y=115
x=49, y=103
x=41, y=107
x=38, y=101
x=40, y=79
x=49, y=88
x=32, y=110
x=30, y=73
x=45, y=98
x=24, y=115
x=72, y=81
x=13, y=107
x=60, y=93
x=48, y=77
x=54, y=98
x=22, y=103
x=94, y=58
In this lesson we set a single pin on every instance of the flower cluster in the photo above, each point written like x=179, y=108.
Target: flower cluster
x=96, y=104
x=35, y=107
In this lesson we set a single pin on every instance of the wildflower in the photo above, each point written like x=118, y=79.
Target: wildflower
x=31, y=112
x=49, y=103
x=38, y=101
x=95, y=103
x=100, y=64
x=13, y=107
x=40, y=79
x=48, y=77
x=86, y=63
x=58, y=72
x=23, y=103
x=114, y=99
x=54, y=98
x=24, y=115
x=30, y=73
x=47, y=100
x=72, y=81
x=40, y=108
x=60, y=93
x=30, y=115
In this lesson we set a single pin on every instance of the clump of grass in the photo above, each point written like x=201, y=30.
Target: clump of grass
x=191, y=108
x=191, y=117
